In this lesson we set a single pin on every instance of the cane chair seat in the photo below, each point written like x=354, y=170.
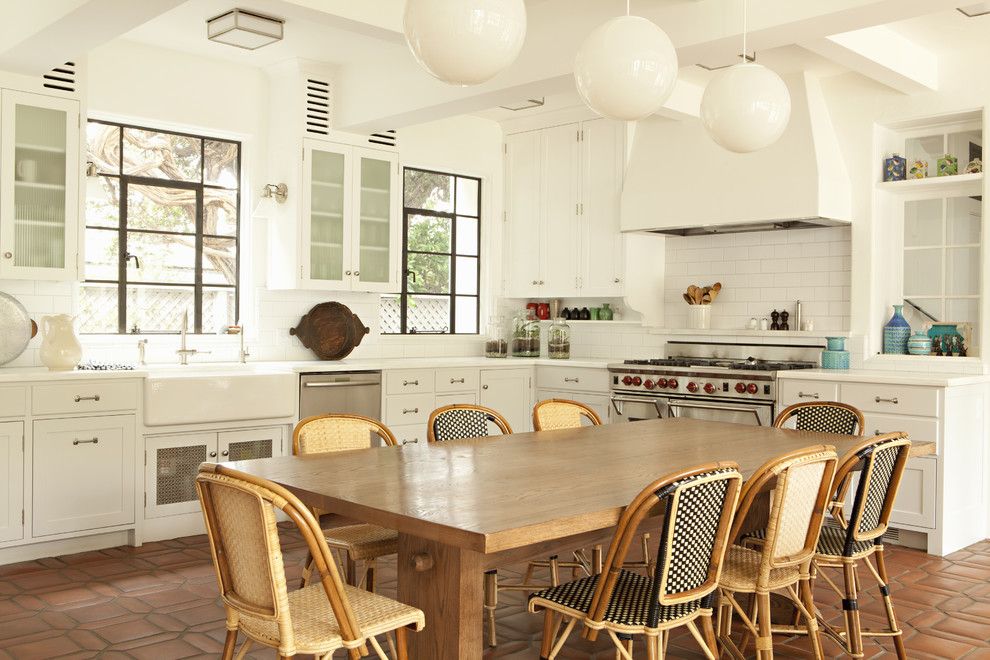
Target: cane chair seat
x=315, y=627
x=628, y=607
x=741, y=571
x=554, y=414
x=363, y=541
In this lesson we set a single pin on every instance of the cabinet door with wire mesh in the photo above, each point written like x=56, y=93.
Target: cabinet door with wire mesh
x=247, y=444
x=172, y=464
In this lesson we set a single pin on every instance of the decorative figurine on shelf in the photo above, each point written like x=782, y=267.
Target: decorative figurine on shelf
x=937, y=345
x=975, y=166
x=919, y=170
x=947, y=165
x=775, y=316
x=894, y=168
x=784, y=315
x=896, y=333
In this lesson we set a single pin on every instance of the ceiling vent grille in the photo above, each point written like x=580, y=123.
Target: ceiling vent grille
x=62, y=78
x=386, y=138
x=317, y=106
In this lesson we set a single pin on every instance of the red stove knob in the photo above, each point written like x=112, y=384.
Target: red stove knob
x=752, y=388
x=637, y=381
x=692, y=387
x=627, y=380
x=648, y=384
x=672, y=383
x=741, y=388
x=709, y=388
x=661, y=383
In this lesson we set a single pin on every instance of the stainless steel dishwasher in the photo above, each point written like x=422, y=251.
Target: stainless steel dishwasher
x=351, y=392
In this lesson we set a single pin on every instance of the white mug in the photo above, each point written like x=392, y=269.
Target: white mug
x=27, y=170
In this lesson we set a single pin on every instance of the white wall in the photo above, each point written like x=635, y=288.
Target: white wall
x=169, y=89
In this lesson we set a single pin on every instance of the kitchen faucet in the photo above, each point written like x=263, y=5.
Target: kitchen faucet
x=245, y=353
x=184, y=352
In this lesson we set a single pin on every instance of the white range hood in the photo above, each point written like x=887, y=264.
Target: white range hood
x=678, y=181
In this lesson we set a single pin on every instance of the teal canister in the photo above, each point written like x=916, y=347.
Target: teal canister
x=835, y=356
x=920, y=344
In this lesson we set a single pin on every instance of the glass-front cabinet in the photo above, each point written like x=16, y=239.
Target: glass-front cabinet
x=351, y=221
x=39, y=186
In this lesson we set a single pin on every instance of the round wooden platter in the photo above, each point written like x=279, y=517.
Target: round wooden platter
x=330, y=330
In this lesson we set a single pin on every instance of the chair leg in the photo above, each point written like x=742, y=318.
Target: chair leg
x=350, y=569
x=369, y=575
x=228, y=645
x=814, y=633
x=889, y=604
x=850, y=608
x=596, y=559
x=491, y=602
x=764, y=640
x=747, y=634
x=708, y=632
x=401, y=643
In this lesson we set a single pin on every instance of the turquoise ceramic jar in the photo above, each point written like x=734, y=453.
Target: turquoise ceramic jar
x=835, y=356
x=919, y=344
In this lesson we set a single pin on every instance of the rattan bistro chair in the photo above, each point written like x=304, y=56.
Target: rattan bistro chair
x=801, y=482
x=362, y=542
x=239, y=510
x=822, y=417
x=553, y=414
x=879, y=462
x=463, y=420
x=698, y=505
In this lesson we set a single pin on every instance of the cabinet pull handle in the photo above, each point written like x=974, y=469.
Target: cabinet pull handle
x=572, y=380
x=410, y=382
x=534, y=281
x=410, y=442
x=880, y=400
x=91, y=441
x=406, y=411
x=224, y=453
x=807, y=395
x=95, y=397
x=456, y=380
x=213, y=454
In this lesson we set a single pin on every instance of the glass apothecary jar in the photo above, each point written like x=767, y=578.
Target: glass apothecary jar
x=559, y=340
x=496, y=346
x=525, y=334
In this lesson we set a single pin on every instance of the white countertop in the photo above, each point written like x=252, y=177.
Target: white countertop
x=33, y=374
x=885, y=376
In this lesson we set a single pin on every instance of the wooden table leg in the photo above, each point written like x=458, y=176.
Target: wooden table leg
x=446, y=583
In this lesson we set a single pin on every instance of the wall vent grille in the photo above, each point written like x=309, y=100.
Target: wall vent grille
x=62, y=78
x=317, y=106
x=387, y=138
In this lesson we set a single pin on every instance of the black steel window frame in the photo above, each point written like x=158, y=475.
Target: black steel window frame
x=452, y=216
x=126, y=180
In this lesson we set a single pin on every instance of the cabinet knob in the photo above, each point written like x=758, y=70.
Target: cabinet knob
x=617, y=280
x=534, y=281
x=8, y=255
x=357, y=273
x=224, y=452
x=541, y=282
x=484, y=387
x=213, y=454
x=347, y=272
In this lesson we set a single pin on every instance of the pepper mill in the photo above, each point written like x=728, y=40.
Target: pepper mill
x=775, y=316
x=784, y=315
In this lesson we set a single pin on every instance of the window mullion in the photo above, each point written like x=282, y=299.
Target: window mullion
x=198, y=265
x=122, y=254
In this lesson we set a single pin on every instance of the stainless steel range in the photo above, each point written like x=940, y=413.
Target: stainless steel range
x=704, y=380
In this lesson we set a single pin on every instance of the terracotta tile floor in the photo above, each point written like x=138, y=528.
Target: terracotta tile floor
x=160, y=601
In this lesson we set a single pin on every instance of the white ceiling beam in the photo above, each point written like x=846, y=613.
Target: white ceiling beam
x=883, y=55
x=68, y=35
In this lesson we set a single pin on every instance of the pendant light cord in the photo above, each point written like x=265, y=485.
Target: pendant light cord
x=745, y=53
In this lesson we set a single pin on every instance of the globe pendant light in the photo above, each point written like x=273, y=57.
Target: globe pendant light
x=465, y=42
x=747, y=106
x=626, y=68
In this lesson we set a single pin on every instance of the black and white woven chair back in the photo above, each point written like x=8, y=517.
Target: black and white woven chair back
x=459, y=423
x=825, y=418
x=882, y=466
x=695, y=535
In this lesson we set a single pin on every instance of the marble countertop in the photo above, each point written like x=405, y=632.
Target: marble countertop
x=892, y=377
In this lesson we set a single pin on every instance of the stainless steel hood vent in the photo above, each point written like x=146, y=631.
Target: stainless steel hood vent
x=679, y=182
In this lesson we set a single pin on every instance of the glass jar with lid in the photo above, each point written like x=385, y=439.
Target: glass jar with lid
x=496, y=345
x=525, y=334
x=559, y=340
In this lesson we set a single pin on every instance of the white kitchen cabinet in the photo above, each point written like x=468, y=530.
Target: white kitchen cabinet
x=350, y=235
x=172, y=463
x=12, y=484
x=915, y=503
x=39, y=186
x=83, y=474
x=451, y=399
x=562, y=194
x=508, y=391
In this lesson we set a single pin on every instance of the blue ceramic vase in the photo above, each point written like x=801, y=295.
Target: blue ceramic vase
x=896, y=333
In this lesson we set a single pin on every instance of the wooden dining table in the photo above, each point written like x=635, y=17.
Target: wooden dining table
x=463, y=507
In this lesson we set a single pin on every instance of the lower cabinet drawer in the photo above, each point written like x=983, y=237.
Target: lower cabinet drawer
x=583, y=379
x=13, y=401
x=408, y=381
x=896, y=399
x=410, y=434
x=805, y=391
x=84, y=397
x=83, y=474
x=408, y=409
x=918, y=429
x=457, y=380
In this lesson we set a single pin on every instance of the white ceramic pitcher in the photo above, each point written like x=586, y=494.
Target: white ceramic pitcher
x=60, y=348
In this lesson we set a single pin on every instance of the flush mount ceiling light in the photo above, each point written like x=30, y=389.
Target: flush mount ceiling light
x=747, y=106
x=244, y=29
x=972, y=11
x=465, y=42
x=626, y=68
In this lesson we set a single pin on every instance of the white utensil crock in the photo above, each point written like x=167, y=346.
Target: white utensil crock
x=699, y=317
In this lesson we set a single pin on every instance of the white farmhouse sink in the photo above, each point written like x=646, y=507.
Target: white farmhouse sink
x=218, y=393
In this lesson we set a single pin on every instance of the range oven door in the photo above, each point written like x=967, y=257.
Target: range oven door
x=751, y=413
x=633, y=408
